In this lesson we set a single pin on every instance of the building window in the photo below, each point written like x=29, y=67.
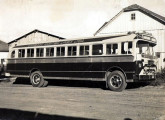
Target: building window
x=97, y=49
x=30, y=52
x=72, y=50
x=21, y=53
x=40, y=52
x=13, y=54
x=111, y=49
x=49, y=52
x=84, y=50
x=133, y=16
x=60, y=51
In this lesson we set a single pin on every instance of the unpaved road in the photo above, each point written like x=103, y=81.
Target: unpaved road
x=22, y=101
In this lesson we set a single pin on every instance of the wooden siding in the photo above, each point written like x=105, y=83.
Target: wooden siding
x=123, y=23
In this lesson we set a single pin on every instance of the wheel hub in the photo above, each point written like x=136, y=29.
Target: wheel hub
x=36, y=78
x=116, y=81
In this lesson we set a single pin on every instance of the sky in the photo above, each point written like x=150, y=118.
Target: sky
x=65, y=18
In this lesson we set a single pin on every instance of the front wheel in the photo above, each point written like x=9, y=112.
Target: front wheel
x=116, y=81
x=36, y=79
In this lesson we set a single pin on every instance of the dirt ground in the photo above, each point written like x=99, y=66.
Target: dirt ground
x=76, y=100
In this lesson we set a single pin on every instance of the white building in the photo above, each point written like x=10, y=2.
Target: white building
x=139, y=19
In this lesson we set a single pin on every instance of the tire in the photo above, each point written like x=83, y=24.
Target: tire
x=116, y=81
x=36, y=79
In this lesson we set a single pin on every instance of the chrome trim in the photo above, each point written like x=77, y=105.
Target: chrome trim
x=74, y=78
x=127, y=58
x=67, y=71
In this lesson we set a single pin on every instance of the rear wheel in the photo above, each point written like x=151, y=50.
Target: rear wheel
x=36, y=79
x=116, y=81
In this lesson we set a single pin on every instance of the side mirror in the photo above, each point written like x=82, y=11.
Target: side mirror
x=164, y=60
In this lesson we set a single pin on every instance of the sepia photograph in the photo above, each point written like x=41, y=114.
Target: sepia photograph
x=82, y=60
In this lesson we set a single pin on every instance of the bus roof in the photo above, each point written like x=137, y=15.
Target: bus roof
x=128, y=36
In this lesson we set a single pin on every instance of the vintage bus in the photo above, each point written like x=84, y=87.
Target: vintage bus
x=116, y=59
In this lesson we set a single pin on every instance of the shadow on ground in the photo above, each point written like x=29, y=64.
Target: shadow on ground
x=74, y=83
x=12, y=114
x=137, y=85
x=25, y=81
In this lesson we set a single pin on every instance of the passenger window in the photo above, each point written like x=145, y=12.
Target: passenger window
x=30, y=52
x=84, y=50
x=72, y=51
x=13, y=54
x=130, y=48
x=60, y=51
x=40, y=52
x=126, y=48
x=21, y=53
x=97, y=49
x=108, y=49
x=49, y=52
x=114, y=48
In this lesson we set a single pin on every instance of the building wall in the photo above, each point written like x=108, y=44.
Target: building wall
x=124, y=24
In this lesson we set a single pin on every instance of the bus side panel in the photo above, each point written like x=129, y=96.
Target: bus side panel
x=89, y=68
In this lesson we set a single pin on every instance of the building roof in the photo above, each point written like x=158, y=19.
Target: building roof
x=151, y=14
x=4, y=47
x=34, y=31
x=136, y=7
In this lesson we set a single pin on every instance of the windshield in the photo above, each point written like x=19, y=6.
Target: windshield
x=144, y=48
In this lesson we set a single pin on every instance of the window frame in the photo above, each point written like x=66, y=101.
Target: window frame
x=21, y=55
x=40, y=52
x=60, y=55
x=84, y=50
x=112, y=44
x=30, y=52
x=13, y=55
x=72, y=52
x=101, y=49
x=133, y=16
x=126, y=52
x=49, y=52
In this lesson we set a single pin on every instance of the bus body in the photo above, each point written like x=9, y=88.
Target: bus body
x=116, y=60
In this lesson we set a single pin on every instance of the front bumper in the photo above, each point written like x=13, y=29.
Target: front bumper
x=144, y=77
